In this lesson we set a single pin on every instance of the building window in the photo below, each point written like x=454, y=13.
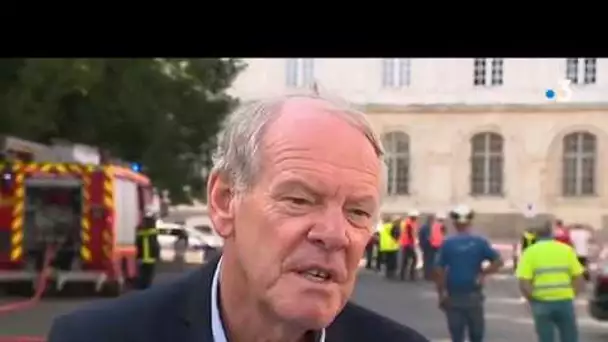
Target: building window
x=488, y=71
x=299, y=72
x=396, y=72
x=397, y=147
x=487, y=164
x=579, y=164
x=572, y=70
x=581, y=70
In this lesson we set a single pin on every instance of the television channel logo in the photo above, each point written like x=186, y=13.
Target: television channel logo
x=562, y=93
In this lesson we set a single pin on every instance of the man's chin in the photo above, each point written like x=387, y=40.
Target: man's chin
x=309, y=313
x=309, y=317
x=309, y=305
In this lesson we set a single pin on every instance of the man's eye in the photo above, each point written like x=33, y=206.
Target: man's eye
x=298, y=200
x=360, y=213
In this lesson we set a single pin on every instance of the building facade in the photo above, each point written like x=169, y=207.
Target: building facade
x=506, y=136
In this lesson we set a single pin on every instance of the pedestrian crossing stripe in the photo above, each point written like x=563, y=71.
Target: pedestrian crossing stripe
x=508, y=265
x=491, y=299
x=584, y=322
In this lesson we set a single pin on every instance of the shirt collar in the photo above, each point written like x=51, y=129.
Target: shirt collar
x=217, y=326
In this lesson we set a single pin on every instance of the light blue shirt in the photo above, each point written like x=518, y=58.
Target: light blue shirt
x=217, y=328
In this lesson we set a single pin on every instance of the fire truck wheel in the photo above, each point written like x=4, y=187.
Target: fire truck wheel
x=18, y=289
x=75, y=290
x=113, y=289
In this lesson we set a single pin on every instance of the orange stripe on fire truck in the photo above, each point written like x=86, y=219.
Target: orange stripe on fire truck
x=108, y=201
x=108, y=188
x=17, y=221
x=85, y=221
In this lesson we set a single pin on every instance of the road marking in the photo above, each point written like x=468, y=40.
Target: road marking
x=491, y=299
x=584, y=322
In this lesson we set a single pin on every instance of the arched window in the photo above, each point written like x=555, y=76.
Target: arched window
x=487, y=164
x=397, y=148
x=579, y=164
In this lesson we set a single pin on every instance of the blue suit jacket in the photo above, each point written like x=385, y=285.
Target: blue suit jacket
x=180, y=311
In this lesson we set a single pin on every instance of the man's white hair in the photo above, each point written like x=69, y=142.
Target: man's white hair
x=237, y=155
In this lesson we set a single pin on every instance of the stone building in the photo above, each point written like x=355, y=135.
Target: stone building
x=504, y=136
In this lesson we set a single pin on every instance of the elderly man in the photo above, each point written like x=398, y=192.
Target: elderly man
x=294, y=192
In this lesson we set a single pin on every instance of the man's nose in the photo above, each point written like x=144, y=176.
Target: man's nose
x=331, y=230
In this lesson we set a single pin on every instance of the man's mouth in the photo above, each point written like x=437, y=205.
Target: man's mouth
x=316, y=275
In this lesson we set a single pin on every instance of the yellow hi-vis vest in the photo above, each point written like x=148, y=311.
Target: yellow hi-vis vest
x=550, y=266
x=387, y=241
x=145, y=235
x=529, y=237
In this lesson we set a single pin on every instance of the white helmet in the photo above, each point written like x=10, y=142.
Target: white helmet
x=462, y=213
x=441, y=215
x=413, y=213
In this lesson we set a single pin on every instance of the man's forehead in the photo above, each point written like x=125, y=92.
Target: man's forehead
x=312, y=116
x=307, y=131
x=308, y=123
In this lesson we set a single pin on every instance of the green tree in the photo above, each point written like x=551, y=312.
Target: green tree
x=162, y=113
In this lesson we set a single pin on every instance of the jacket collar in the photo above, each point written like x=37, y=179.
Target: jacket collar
x=195, y=305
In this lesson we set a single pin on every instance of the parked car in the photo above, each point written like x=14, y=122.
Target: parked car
x=168, y=233
x=212, y=243
x=598, y=299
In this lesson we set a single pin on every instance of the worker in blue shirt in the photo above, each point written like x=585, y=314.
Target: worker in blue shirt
x=460, y=277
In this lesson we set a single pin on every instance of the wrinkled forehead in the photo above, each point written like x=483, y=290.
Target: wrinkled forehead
x=317, y=123
x=317, y=132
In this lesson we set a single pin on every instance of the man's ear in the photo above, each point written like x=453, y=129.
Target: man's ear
x=220, y=201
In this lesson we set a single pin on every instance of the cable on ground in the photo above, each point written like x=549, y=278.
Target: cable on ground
x=41, y=286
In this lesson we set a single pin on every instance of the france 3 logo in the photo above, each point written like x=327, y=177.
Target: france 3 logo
x=563, y=93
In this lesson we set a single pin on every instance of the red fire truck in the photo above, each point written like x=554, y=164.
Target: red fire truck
x=89, y=213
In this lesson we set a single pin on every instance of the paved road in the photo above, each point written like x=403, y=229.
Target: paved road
x=413, y=304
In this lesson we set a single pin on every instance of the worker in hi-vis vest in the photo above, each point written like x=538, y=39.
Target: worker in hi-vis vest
x=550, y=276
x=372, y=250
x=436, y=236
x=407, y=240
x=148, y=251
x=389, y=245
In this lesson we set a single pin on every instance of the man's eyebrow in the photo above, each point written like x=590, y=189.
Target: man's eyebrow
x=363, y=200
x=301, y=185
x=294, y=184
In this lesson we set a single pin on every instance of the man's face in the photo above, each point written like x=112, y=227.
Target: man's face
x=301, y=231
x=462, y=225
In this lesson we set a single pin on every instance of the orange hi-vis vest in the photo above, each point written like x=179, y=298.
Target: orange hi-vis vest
x=408, y=228
x=436, y=236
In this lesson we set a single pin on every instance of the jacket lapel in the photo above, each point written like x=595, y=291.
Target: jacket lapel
x=194, y=307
